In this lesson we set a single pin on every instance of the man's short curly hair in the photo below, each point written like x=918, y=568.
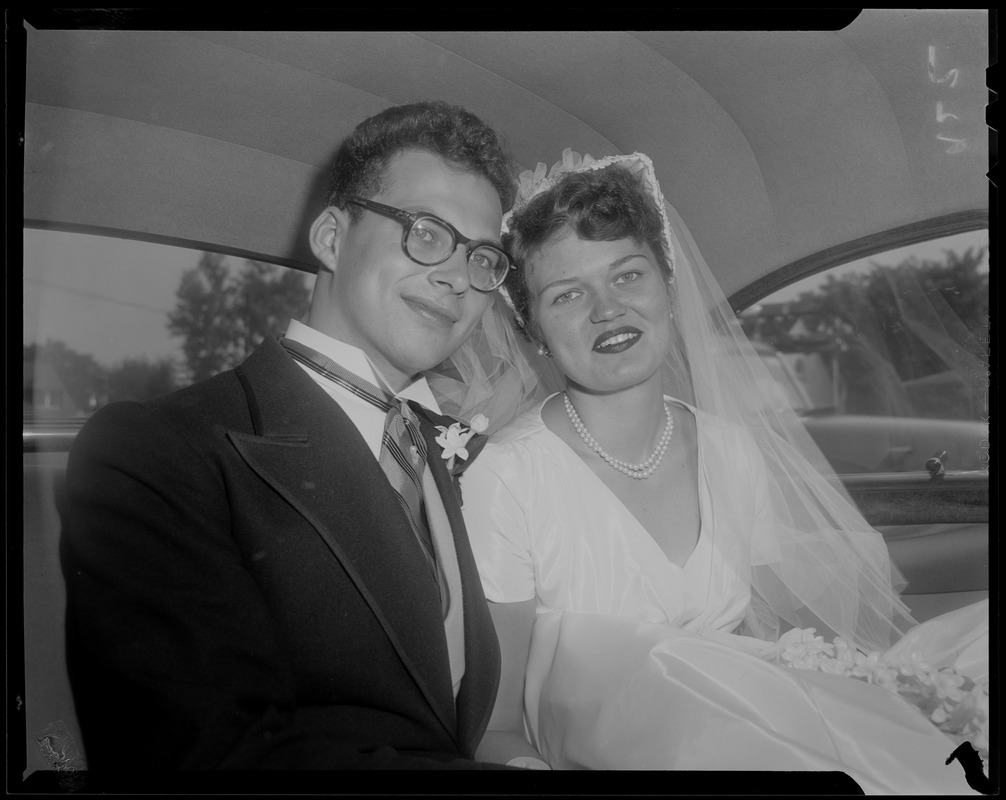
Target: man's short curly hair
x=456, y=135
x=597, y=205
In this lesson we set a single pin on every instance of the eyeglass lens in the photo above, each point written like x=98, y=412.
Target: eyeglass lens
x=431, y=242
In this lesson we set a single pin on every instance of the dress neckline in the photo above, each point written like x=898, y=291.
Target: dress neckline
x=700, y=483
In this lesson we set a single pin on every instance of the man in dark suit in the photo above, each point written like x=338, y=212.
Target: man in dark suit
x=247, y=586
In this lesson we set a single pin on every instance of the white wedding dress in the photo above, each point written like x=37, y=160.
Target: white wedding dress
x=634, y=662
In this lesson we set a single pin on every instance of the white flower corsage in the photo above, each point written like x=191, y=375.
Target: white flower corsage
x=953, y=702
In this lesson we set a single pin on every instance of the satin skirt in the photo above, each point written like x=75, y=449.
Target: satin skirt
x=606, y=692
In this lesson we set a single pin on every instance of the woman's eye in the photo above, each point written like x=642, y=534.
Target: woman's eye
x=628, y=277
x=565, y=297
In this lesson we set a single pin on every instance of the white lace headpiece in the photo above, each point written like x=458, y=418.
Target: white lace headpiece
x=541, y=179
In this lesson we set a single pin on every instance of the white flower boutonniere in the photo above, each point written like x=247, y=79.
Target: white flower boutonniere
x=479, y=423
x=454, y=439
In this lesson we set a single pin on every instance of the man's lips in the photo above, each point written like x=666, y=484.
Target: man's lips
x=433, y=312
x=617, y=340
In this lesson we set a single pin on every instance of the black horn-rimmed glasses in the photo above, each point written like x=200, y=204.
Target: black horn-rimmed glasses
x=429, y=240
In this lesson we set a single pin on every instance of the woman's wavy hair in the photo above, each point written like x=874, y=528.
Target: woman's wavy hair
x=597, y=205
x=359, y=166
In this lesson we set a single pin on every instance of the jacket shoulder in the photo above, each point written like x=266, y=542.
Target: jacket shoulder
x=190, y=412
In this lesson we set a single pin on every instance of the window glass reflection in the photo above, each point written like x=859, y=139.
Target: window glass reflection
x=887, y=355
x=110, y=319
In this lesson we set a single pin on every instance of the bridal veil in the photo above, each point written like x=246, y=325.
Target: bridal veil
x=821, y=565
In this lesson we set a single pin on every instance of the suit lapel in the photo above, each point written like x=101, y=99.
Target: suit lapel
x=312, y=454
x=482, y=660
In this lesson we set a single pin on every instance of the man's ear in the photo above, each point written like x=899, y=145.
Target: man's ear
x=328, y=232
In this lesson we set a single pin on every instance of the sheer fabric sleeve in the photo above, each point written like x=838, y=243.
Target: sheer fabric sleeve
x=497, y=491
x=815, y=571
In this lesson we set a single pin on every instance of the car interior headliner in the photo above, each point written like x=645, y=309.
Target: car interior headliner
x=772, y=145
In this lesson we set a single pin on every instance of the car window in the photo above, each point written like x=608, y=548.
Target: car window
x=886, y=358
x=110, y=319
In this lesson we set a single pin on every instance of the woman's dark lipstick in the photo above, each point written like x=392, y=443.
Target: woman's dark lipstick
x=617, y=340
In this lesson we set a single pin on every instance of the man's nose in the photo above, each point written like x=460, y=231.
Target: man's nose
x=454, y=271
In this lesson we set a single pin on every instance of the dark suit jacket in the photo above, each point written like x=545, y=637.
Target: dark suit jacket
x=245, y=592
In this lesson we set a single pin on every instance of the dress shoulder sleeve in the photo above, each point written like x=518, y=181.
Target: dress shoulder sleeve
x=498, y=498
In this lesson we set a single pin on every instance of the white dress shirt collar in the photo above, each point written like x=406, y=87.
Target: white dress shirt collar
x=357, y=362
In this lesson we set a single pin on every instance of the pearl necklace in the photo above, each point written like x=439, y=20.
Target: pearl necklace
x=638, y=471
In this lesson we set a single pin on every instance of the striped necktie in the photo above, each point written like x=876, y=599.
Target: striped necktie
x=403, y=449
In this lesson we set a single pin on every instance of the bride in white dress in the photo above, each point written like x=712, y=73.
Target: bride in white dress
x=639, y=605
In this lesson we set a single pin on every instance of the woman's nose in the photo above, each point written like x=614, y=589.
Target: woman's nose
x=454, y=271
x=606, y=308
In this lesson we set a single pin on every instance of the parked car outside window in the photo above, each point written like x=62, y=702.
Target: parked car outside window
x=886, y=358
